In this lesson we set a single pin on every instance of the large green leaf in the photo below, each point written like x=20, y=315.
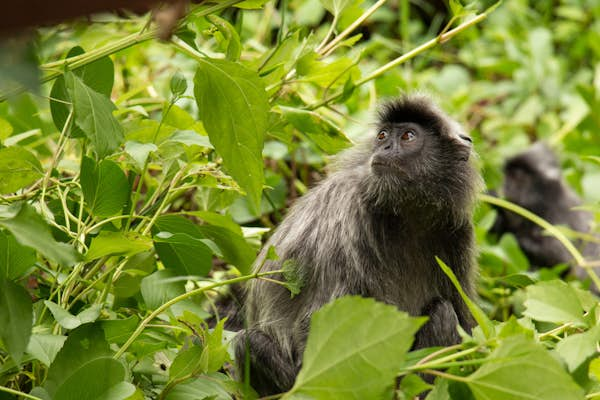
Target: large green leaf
x=98, y=75
x=84, y=344
x=99, y=379
x=233, y=106
x=319, y=130
x=18, y=168
x=16, y=318
x=354, y=349
x=554, y=301
x=104, y=185
x=93, y=114
x=29, y=228
x=521, y=369
x=16, y=259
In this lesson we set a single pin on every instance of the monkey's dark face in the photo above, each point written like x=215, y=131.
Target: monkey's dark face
x=408, y=150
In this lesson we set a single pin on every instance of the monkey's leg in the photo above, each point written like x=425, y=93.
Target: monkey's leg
x=271, y=370
x=440, y=329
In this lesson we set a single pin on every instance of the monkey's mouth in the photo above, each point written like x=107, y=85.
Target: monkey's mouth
x=380, y=167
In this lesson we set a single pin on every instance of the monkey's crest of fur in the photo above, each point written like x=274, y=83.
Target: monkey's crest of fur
x=372, y=228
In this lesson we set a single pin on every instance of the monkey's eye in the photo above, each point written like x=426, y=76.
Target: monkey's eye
x=408, y=136
x=382, y=135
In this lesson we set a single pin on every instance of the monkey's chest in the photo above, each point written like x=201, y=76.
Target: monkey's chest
x=408, y=286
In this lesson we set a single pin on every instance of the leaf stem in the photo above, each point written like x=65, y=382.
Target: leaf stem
x=330, y=47
x=411, y=54
x=446, y=375
x=17, y=393
x=184, y=296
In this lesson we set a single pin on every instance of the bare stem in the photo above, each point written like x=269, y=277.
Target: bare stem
x=327, y=49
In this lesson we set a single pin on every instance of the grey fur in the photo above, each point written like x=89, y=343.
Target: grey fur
x=372, y=228
x=534, y=181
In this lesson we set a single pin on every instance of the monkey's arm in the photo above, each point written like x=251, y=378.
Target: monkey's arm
x=440, y=329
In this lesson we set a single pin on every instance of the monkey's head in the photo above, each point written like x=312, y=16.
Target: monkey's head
x=532, y=177
x=420, y=160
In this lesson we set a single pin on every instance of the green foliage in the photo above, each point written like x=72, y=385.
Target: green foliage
x=136, y=182
x=347, y=358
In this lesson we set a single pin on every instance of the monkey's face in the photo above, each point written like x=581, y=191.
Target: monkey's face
x=410, y=151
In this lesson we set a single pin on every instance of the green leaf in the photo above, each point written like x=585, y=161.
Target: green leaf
x=15, y=259
x=233, y=106
x=251, y=4
x=178, y=84
x=183, y=253
x=62, y=316
x=214, y=352
x=139, y=152
x=232, y=38
x=160, y=287
x=99, y=379
x=84, y=344
x=186, y=363
x=333, y=75
x=522, y=369
x=203, y=387
x=93, y=114
x=554, y=301
x=233, y=247
x=98, y=75
x=16, y=318
x=336, y=7
x=6, y=129
x=45, y=347
x=346, y=358
x=215, y=219
x=31, y=230
x=117, y=243
x=319, y=130
x=68, y=320
x=190, y=138
x=482, y=320
x=18, y=168
x=118, y=330
x=412, y=385
x=292, y=272
x=576, y=349
x=104, y=185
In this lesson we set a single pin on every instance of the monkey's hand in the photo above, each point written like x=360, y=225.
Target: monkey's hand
x=441, y=329
x=271, y=369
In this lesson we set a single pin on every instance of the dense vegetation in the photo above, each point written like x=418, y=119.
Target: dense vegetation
x=138, y=180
